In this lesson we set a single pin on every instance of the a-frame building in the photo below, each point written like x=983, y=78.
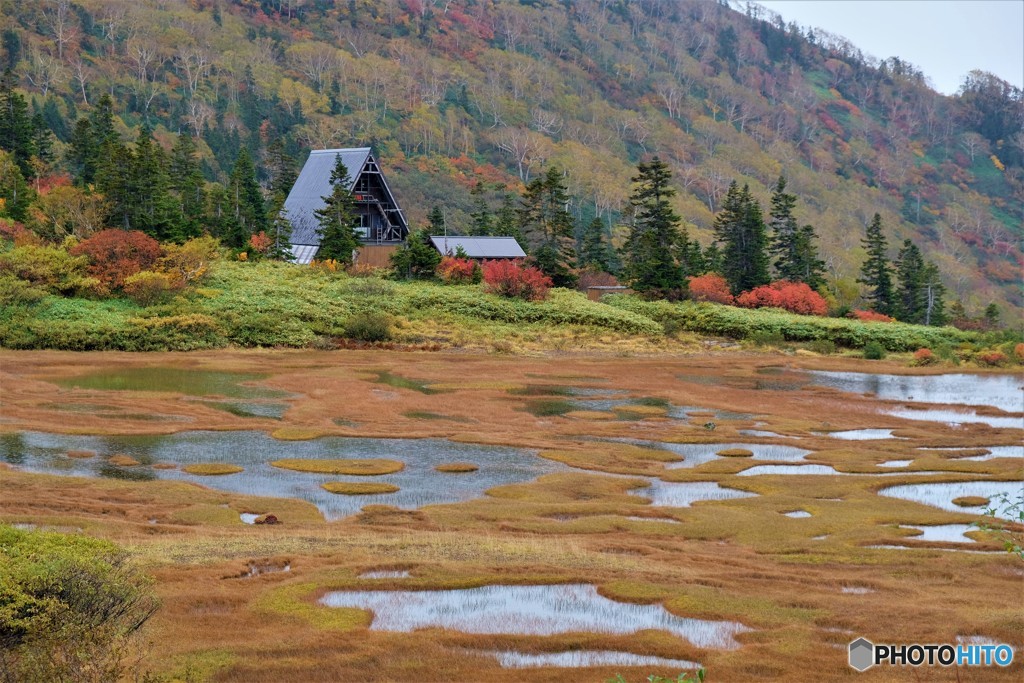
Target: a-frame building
x=382, y=224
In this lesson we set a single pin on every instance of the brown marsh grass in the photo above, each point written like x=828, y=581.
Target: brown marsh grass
x=741, y=559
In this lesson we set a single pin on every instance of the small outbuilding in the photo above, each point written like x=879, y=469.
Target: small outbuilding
x=382, y=225
x=479, y=248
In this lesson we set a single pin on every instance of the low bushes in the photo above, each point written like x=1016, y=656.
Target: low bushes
x=510, y=278
x=870, y=316
x=727, y=321
x=458, y=271
x=710, y=287
x=795, y=297
x=368, y=327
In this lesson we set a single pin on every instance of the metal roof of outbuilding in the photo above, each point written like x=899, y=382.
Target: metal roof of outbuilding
x=479, y=247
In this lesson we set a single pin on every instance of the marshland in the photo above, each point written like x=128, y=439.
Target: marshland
x=468, y=516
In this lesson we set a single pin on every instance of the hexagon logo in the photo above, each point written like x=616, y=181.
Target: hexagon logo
x=862, y=654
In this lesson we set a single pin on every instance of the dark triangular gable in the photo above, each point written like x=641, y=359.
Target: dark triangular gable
x=384, y=218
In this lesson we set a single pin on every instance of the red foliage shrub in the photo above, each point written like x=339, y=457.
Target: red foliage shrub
x=260, y=242
x=115, y=255
x=1018, y=352
x=511, y=278
x=991, y=358
x=870, y=316
x=924, y=357
x=710, y=287
x=457, y=271
x=17, y=233
x=795, y=297
x=595, y=278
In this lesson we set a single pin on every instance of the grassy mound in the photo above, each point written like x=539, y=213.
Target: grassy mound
x=970, y=501
x=122, y=460
x=735, y=453
x=457, y=467
x=366, y=467
x=81, y=454
x=212, y=468
x=358, y=488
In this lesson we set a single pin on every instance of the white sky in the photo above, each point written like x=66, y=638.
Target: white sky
x=945, y=39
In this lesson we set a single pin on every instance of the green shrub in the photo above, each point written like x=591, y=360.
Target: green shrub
x=71, y=608
x=874, y=351
x=16, y=292
x=49, y=268
x=766, y=338
x=368, y=327
x=825, y=347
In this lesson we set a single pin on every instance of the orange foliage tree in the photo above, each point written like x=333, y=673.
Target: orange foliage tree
x=710, y=287
x=114, y=255
x=795, y=297
x=513, y=279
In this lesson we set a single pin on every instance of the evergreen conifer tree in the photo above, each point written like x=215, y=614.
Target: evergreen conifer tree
x=651, y=254
x=506, y=222
x=438, y=225
x=417, y=259
x=595, y=251
x=794, y=249
x=909, y=305
x=152, y=209
x=338, y=237
x=549, y=228
x=246, y=201
x=17, y=134
x=876, y=272
x=739, y=228
x=933, y=294
x=481, y=219
x=186, y=181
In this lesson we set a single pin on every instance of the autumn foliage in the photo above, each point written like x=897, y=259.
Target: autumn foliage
x=115, y=255
x=924, y=357
x=795, y=297
x=513, y=279
x=870, y=316
x=710, y=287
x=457, y=271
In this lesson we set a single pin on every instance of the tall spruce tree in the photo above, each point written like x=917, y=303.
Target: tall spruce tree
x=246, y=200
x=417, y=259
x=153, y=210
x=794, y=248
x=908, y=305
x=651, y=255
x=436, y=220
x=548, y=227
x=338, y=237
x=282, y=177
x=595, y=250
x=187, y=184
x=506, y=222
x=17, y=133
x=876, y=272
x=740, y=230
x=481, y=219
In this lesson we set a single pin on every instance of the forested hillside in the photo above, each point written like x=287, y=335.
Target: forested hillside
x=465, y=101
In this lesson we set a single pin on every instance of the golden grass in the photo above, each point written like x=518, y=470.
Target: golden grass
x=122, y=460
x=596, y=415
x=358, y=488
x=164, y=466
x=970, y=501
x=81, y=454
x=212, y=468
x=740, y=559
x=364, y=467
x=296, y=433
x=735, y=452
x=457, y=467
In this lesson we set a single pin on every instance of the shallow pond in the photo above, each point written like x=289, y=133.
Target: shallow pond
x=941, y=495
x=698, y=454
x=999, y=391
x=860, y=434
x=789, y=469
x=955, y=418
x=576, y=659
x=528, y=610
x=685, y=494
x=385, y=574
x=419, y=483
x=945, y=533
x=188, y=381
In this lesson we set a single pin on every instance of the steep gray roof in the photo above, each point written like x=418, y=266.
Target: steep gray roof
x=313, y=183
x=479, y=247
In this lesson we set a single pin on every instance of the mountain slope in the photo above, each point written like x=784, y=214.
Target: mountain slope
x=452, y=93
